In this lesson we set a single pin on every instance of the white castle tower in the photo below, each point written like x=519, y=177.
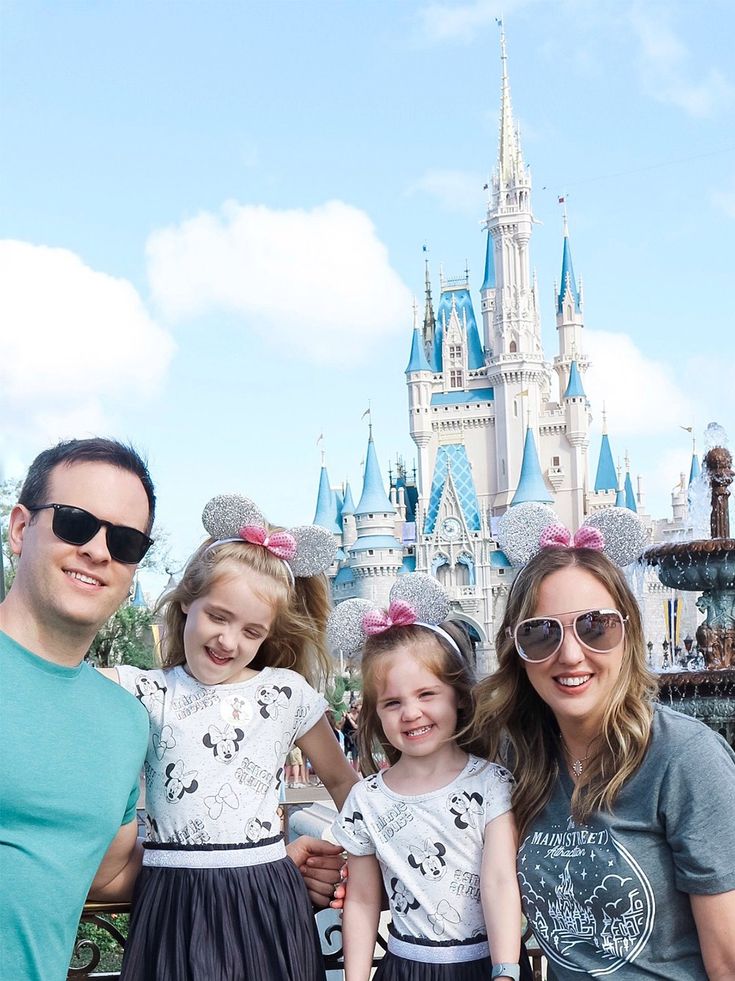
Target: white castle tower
x=495, y=424
x=489, y=428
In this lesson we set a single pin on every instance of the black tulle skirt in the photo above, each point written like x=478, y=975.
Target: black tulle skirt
x=395, y=968
x=231, y=924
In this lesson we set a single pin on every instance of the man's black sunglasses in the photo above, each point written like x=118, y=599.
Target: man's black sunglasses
x=77, y=527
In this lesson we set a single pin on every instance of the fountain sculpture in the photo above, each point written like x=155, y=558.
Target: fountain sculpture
x=707, y=566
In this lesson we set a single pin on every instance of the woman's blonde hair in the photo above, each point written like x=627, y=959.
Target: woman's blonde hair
x=296, y=638
x=439, y=657
x=518, y=727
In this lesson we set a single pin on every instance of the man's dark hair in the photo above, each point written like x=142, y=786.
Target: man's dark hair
x=95, y=450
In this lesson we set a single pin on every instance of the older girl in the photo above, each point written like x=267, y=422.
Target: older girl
x=218, y=899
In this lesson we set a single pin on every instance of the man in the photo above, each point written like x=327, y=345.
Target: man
x=73, y=743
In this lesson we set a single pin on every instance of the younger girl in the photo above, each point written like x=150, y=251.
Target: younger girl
x=437, y=824
x=217, y=898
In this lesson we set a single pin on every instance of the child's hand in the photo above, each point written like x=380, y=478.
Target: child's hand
x=320, y=863
x=340, y=890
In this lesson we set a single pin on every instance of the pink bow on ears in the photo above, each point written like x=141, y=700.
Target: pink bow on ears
x=557, y=536
x=280, y=543
x=398, y=614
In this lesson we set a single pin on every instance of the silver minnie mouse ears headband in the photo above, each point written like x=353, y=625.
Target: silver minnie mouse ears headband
x=414, y=599
x=305, y=551
x=527, y=528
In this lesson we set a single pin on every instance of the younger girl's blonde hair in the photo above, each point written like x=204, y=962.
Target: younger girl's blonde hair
x=515, y=725
x=296, y=639
x=439, y=657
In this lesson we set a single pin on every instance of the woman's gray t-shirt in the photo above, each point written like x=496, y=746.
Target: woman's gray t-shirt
x=611, y=899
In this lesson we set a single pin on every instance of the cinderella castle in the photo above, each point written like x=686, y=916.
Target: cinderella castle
x=495, y=423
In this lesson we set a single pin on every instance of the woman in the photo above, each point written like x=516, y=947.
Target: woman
x=624, y=807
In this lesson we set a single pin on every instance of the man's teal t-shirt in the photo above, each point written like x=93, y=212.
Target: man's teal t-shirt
x=73, y=744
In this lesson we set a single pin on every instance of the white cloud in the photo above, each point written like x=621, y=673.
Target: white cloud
x=642, y=396
x=318, y=282
x=457, y=191
x=667, y=73
x=76, y=345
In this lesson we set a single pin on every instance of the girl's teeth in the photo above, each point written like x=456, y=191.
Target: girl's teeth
x=573, y=682
x=419, y=732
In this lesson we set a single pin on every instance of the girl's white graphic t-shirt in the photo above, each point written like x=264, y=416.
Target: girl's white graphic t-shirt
x=216, y=753
x=429, y=848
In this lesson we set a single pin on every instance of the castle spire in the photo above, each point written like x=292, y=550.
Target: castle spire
x=694, y=469
x=488, y=282
x=575, y=388
x=606, y=478
x=510, y=160
x=568, y=285
x=429, y=318
x=531, y=484
x=373, y=497
x=417, y=360
x=629, y=492
x=326, y=505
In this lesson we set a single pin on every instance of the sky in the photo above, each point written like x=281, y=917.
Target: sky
x=213, y=215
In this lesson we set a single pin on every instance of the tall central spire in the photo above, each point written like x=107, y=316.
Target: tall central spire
x=509, y=152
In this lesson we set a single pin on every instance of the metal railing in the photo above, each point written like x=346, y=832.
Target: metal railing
x=101, y=915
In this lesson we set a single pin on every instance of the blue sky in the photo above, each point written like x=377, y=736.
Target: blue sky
x=212, y=219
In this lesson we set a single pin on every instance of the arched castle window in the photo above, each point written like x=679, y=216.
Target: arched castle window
x=465, y=571
x=440, y=569
x=513, y=347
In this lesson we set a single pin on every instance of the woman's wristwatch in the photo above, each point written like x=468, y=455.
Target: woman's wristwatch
x=512, y=971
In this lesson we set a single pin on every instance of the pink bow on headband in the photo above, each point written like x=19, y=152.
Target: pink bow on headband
x=398, y=614
x=557, y=536
x=280, y=543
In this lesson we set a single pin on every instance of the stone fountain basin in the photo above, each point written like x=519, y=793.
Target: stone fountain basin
x=700, y=565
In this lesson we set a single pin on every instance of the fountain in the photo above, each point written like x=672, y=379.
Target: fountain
x=708, y=566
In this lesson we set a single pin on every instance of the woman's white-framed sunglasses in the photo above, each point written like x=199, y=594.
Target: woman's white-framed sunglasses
x=540, y=638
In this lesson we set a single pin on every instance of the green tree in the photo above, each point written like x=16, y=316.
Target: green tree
x=126, y=638
x=342, y=684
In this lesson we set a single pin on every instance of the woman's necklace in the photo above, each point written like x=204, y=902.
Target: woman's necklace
x=576, y=764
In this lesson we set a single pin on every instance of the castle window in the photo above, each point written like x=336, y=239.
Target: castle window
x=455, y=352
x=455, y=379
x=555, y=461
x=513, y=347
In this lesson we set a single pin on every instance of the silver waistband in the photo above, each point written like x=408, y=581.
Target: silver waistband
x=431, y=954
x=229, y=858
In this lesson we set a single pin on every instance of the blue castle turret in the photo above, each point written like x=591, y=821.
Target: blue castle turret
x=629, y=493
x=574, y=388
x=326, y=514
x=531, y=484
x=606, y=478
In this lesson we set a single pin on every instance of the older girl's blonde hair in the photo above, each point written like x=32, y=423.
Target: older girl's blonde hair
x=439, y=657
x=514, y=723
x=296, y=639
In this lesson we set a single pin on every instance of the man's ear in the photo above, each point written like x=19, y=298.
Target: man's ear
x=19, y=520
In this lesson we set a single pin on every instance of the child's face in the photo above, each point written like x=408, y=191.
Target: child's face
x=418, y=711
x=225, y=627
